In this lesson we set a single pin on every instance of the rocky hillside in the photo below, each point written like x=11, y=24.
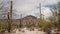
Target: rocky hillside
x=26, y=21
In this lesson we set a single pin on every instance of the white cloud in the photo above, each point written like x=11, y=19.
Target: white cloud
x=47, y=12
x=29, y=6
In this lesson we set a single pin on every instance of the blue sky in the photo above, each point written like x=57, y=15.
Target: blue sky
x=31, y=7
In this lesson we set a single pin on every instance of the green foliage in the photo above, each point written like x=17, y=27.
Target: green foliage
x=3, y=26
x=56, y=13
x=42, y=23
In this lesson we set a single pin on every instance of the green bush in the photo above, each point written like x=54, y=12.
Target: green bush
x=3, y=27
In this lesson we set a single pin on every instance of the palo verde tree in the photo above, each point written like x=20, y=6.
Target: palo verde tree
x=55, y=9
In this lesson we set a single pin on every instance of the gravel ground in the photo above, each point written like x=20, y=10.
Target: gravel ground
x=24, y=31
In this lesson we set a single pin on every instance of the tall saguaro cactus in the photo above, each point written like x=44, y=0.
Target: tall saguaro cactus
x=10, y=18
x=20, y=25
x=9, y=23
x=41, y=21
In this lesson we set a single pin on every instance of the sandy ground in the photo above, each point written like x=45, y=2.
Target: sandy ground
x=25, y=31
